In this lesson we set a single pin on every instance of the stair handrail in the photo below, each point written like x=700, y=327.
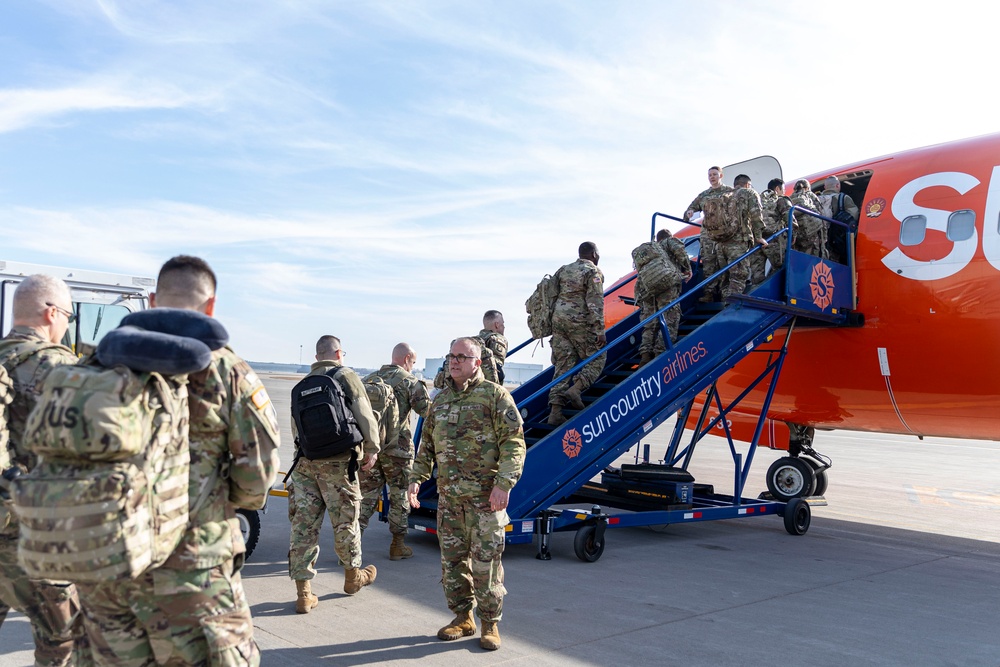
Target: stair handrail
x=851, y=231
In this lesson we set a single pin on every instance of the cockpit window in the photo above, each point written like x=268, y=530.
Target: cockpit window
x=961, y=225
x=913, y=230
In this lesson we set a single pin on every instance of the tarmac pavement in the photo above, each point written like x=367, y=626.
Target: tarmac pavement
x=901, y=568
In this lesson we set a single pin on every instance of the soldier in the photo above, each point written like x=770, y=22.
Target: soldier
x=492, y=337
x=749, y=215
x=331, y=485
x=652, y=341
x=577, y=329
x=193, y=610
x=42, y=312
x=710, y=260
x=775, y=206
x=395, y=459
x=811, y=234
x=474, y=435
x=837, y=234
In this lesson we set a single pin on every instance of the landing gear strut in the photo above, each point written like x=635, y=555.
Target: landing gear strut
x=803, y=472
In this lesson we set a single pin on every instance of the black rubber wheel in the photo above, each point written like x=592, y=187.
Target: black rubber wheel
x=822, y=480
x=586, y=546
x=250, y=527
x=798, y=516
x=790, y=477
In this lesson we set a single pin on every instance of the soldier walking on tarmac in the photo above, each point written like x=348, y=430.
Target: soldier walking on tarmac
x=475, y=437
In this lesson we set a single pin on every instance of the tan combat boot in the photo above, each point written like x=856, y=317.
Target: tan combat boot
x=356, y=578
x=573, y=395
x=306, y=601
x=398, y=550
x=556, y=417
x=646, y=358
x=462, y=626
x=490, y=639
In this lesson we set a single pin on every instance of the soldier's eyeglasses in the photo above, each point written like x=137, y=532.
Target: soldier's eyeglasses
x=460, y=358
x=70, y=315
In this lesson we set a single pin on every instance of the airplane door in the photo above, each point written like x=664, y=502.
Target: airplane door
x=760, y=170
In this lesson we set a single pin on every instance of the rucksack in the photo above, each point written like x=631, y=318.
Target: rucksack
x=540, y=305
x=655, y=268
x=108, y=499
x=386, y=408
x=6, y=457
x=326, y=426
x=720, y=216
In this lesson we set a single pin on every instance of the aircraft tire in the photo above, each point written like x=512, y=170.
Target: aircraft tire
x=798, y=516
x=790, y=477
x=822, y=479
x=586, y=546
x=250, y=527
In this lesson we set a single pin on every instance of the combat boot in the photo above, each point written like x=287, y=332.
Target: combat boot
x=490, y=638
x=356, y=578
x=556, y=417
x=573, y=395
x=306, y=601
x=398, y=550
x=646, y=358
x=462, y=626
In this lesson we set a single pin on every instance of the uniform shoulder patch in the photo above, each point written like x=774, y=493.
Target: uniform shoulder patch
x=260, y=398
x=512, y=416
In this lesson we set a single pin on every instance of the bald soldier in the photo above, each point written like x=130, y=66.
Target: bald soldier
x=42, y=313
x=475, y=437
x=392, y=467
x=193, y=609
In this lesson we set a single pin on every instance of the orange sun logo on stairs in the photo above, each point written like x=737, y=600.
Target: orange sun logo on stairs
x=821, y=285
x=572, y=443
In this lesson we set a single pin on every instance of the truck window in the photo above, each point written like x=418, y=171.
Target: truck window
x=93, y=322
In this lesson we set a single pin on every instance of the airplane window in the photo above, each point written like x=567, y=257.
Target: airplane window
x=961, y=225
x=913, y=229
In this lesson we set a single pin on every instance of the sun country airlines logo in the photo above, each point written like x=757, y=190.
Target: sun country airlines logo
x=572, y=443
x=821, y=284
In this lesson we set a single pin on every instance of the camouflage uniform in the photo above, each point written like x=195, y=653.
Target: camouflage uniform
x=395, y=459
x=837, y=249
x=474, y=436
x=497, y=344
x=194, y=606
x=52, y=607
x=775, y=213
x=749, y=214
x=326, y=485
x=711, y=253
x=652, y=338
x=810, y=237
x=577, y=321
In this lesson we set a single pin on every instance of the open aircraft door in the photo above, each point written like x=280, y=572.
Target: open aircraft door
x=760, y=170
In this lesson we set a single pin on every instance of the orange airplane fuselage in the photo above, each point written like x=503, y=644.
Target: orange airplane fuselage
x=927, y=359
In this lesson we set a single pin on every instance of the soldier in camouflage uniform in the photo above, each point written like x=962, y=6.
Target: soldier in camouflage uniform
x=42, y=312
x=193, y=610
x=750, y=216
x=474, y=435
x=710, y=260
x=652, y=340
x=492, y=338
x=774, y=206
x=331, y=485
x=395, y=459
x=577, y=329
x=811, y=234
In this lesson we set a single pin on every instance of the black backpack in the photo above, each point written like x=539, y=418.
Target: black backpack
x=325, y=423
x=837, y=234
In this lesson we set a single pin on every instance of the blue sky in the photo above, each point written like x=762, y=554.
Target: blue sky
x=387, y=171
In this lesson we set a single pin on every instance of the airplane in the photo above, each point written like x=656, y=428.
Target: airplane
x=923, y=357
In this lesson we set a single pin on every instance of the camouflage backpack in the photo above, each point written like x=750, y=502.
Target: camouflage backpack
x=6, y=458
x=386, y=409
x=655, y=268
x=721, y=220
x=108, y=499
x=540, y=305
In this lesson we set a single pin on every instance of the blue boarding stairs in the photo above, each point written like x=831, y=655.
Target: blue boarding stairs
x=572, y=462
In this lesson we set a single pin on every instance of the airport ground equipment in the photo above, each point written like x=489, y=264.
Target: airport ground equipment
x=571, y=463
